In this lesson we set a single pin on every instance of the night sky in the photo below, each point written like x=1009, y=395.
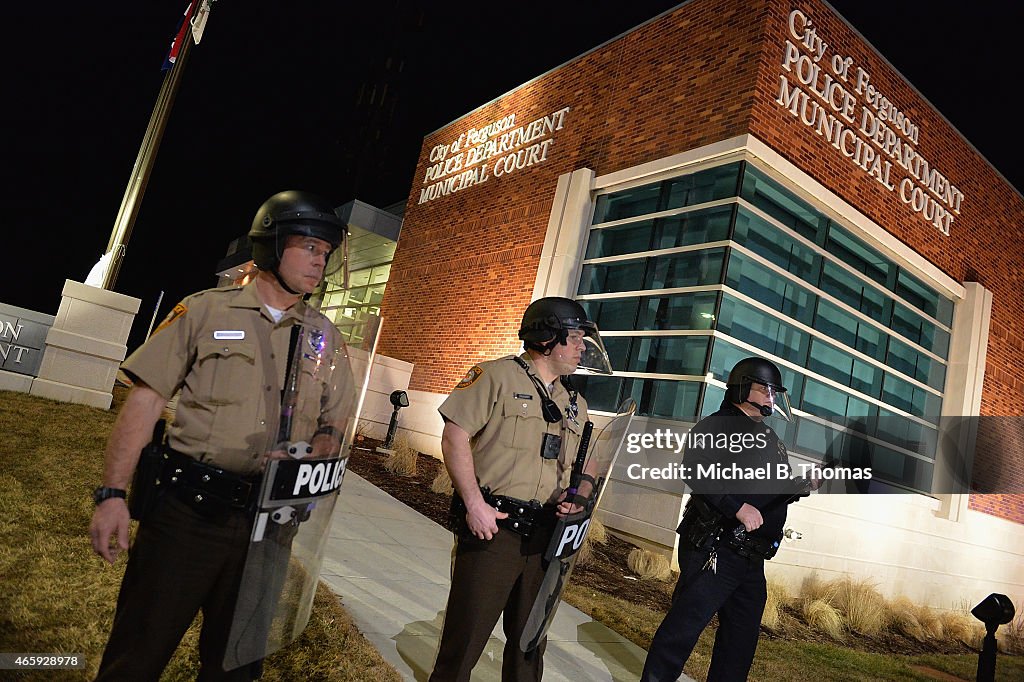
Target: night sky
x=267, y=103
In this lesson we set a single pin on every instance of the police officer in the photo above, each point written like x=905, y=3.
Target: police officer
x=729, y=528
x=512, y=428
x=227, y=351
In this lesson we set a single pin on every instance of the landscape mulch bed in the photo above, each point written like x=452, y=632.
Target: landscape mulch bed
x=607, y=570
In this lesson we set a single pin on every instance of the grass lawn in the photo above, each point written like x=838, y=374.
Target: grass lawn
x=781, y=659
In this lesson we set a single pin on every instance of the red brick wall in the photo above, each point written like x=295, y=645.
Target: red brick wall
x=466, y=263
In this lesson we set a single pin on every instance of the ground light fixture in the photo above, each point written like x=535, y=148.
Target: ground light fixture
x=993, y=611
x=399, y=399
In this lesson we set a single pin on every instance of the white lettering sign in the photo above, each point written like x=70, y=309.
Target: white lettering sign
x=494, y=150
x=824, y=93
x=572, y=534
x=318, y=479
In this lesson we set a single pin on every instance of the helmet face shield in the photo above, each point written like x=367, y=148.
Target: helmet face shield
x=336, y=263
x=778, y=397
x=594, y=357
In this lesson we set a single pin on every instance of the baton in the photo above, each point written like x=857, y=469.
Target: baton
x=289, y=395
x=581, y=455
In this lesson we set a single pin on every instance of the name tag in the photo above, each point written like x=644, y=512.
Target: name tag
x=524, y=396
x=227, y=334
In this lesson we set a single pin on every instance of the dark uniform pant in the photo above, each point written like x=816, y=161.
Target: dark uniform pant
x=737, y=593
x=180, y=562
x=489, y=577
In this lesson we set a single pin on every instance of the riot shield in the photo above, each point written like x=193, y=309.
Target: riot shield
x=571, y=531
x=308, y=454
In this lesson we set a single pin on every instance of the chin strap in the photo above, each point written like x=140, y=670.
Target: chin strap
x=284, y=285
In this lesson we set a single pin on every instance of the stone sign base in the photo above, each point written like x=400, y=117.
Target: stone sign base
x=85, y=345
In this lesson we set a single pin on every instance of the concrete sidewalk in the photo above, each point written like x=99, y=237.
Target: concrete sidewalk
x=390, y=565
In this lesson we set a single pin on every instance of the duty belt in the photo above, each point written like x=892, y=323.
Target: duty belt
x=524, y=517
x=207, y=488
x=705, y=528
x=749, y=546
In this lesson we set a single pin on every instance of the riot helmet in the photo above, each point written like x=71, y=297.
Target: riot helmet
x=546, y=323
x=765, y=373
x=296, y=213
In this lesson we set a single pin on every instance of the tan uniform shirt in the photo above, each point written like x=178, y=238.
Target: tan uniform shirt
x=224, y=351
x=499, y=407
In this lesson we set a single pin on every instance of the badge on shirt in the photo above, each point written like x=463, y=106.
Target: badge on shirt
x=229, y=334
x=315, y=339
x=178, y=311
x=471, y=376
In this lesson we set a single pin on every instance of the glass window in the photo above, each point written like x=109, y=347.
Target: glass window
x=896, y=467
x=681, y=311
x=773, y=245
x=712, y=401
x=779, y=271
x=919, y=330
x=699, y=227
x=794, y=383
x=654, y=397
x=605, y=278
x=667, y=398
x=782, y=205
x=627, y=203
x=840, y=366
x=708, y=185
x=813, y=438
x=746, y=323
x=618, y=350
x=852, y=291
x=835, y=323
x=924, y=298
x=871, y=340
x=723, y=357
x=615, y=314
x=668, y=354
x=906, y=433
x=688, y=190
x=861, y=258
x=753, y=279
x=602, y=392
x=691, y=268
x=621, y=239
x=823, y=400
x=903, y=358
x=866, y=378
x=909, y=398
x=839, y=325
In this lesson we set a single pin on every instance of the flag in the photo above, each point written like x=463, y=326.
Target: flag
x=179, y=39
x=199, y=21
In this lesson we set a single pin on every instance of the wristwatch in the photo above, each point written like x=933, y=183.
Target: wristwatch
x=103, y=493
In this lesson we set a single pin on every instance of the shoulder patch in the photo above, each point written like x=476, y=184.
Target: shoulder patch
x=177, y=312
x=471, y=376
